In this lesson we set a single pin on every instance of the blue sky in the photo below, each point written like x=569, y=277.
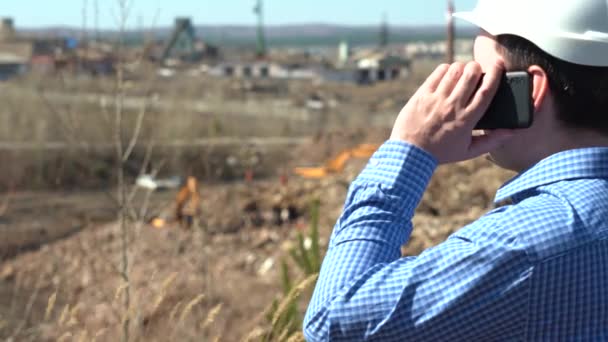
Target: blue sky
x=37, y=13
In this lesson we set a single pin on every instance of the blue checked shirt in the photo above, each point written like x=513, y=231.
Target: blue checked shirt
x=536, y=270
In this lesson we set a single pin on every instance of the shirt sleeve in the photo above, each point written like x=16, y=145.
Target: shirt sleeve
x=473, y=286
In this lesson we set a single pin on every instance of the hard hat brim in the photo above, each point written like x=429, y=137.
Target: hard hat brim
x=467, y=16
x=476, y=20
x=570, y=47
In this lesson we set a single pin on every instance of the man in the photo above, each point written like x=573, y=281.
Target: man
x=533, y=270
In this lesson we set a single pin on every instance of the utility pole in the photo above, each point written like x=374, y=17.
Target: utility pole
x=384, y=31
x=85, y=15
x=451, y=33
x=261, y=44
x=96, y=10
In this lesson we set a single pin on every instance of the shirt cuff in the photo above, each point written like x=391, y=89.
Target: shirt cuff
x=399, y=168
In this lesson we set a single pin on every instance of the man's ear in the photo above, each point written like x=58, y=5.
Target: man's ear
x=540, y=87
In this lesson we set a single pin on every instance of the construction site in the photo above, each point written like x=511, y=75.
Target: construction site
x=178, y=190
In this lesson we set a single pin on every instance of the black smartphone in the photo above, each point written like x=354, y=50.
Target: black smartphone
x=512, y=107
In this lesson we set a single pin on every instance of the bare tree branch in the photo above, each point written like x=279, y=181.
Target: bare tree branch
x=136, y=133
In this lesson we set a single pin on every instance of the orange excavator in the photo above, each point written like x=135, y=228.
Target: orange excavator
x=185, y=208
x=188, y=203
x=336, y=165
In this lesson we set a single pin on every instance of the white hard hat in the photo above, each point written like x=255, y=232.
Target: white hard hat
x=575, y=31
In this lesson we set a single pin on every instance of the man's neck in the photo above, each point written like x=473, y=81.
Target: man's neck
x=571, y=139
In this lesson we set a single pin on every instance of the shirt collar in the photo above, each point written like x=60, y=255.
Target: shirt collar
x=568, y=165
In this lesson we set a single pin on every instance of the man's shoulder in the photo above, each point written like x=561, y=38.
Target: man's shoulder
x=555, y=220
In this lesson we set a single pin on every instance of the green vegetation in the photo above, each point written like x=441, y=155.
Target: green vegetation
x=284, y=316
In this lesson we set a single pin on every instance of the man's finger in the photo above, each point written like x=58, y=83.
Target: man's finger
x=451, y=78
x=433, y=81
x=467, y=85
x=484, y=96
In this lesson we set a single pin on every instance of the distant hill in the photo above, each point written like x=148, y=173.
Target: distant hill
x=281, y=36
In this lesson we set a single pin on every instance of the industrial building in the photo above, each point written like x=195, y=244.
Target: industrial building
x=379, y=66
x=14, y=55
x=19, y=54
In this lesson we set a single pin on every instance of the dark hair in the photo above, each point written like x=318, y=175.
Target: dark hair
x=580, y=92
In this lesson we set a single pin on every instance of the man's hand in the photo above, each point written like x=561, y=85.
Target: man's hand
x=441, y=116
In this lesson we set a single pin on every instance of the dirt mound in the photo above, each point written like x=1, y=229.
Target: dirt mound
x=234, y=261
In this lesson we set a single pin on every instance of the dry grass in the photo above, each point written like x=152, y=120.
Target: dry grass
x=163, y=292
x=211, y=317
x=78, y=111
x=188, y=309
x=50, y=306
